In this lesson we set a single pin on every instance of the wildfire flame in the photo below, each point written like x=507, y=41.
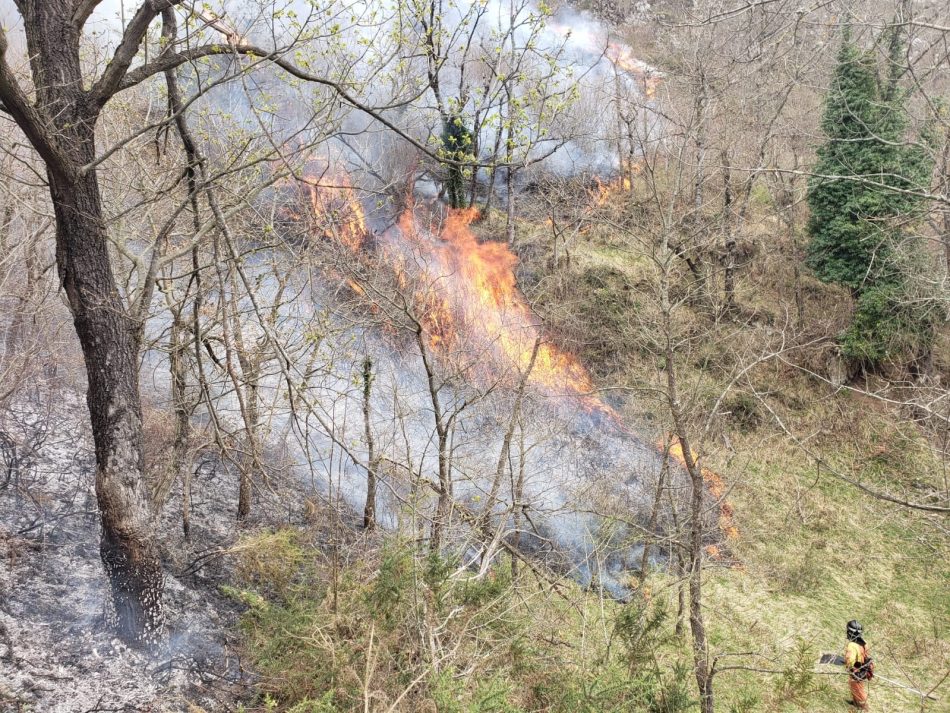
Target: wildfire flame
x=336, y=209
x=604, y=191
x=717, y=488
x=489, y=298
x=469, y=287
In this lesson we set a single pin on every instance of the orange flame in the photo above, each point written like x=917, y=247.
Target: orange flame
x=336, y=209
x=490, y=299
x=622, y=57
x=717, y=488
x=468, y=286
x=605, y=191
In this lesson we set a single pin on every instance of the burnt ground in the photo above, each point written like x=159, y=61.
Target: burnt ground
x=57, y=652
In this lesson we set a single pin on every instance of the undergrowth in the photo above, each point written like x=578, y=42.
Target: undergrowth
x=400, y=630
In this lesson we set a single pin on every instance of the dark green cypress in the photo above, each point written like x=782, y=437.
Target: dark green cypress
x=864, y=194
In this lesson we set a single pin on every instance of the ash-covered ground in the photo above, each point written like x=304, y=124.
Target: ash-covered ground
x=57, y=653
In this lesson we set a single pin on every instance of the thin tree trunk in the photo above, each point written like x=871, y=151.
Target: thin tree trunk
x=179, y=468
x=510, y=216
x=204, y=393
x=493, y=172
x=510, y=176
x=945, y=173
x=654, y=514
x=369, y=509
x=700, y=270
x=181, y=464
x=676, y=556
x=248, y=384
x=701, y=667
x=517, y=493
x=251, y=366
x=731, y=261
x=443, y=509
x=503, y=462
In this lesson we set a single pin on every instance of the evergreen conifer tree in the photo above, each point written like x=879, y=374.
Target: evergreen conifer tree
x=865, y=192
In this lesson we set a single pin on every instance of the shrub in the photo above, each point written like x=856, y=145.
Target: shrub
x=743, y=412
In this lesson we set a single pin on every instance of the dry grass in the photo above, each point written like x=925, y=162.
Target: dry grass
x=815, y=552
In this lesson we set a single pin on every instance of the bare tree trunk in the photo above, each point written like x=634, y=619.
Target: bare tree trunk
x=246, y=389
x=251, y=366
x=181, y=465
x=443, y=509
x=502, y=463
x=105, y=333
x=731, y=262
x=61, y=125
x=676, y=556
x=179, y=468
x=945, y=173
x=202, y=382
x=701, y=666
x=517, y=494
x=369, y=509
x=696, y=265
x=493, y=171
x=654, y=513
x=510, y=178
x=510, y=215
x=17, y=329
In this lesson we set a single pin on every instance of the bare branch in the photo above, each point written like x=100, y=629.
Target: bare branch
x=111, y=80
x=30, y=120
x=84, y=8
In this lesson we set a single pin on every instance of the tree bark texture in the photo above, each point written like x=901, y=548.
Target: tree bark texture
x=61, y=126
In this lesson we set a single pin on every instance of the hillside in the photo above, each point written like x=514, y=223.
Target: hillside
x=474, y=356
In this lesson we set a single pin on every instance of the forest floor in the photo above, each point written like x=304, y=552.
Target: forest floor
x=58, y=654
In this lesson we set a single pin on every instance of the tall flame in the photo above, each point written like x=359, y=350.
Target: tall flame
x=337, y=209
x=488, y=299
x=468, y=289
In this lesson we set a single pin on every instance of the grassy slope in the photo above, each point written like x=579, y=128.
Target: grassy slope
x=814, y=551
x=324, y=636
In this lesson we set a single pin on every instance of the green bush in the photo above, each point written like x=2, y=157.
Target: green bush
x=857, y=222
x=381, y=621
x=886, y=325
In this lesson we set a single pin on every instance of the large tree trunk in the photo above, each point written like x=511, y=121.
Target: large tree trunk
x=105, y=330
x=106, y=334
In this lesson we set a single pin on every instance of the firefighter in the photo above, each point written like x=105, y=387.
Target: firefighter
x=858, y=664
